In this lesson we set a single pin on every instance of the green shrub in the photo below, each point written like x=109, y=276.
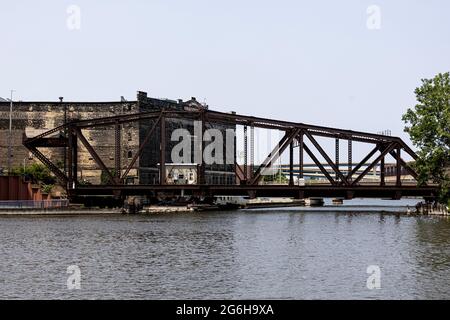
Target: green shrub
x=36, y=172
x=104, y=178
x=47, y=188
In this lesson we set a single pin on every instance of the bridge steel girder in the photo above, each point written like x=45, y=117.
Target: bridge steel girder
x=398, y=170
x=239, y=173
x=327, y=158
x=293, y=130
x=245, y=153
x=275, y=154
x=72, y=159
x=269, y=159
x=300, y=154
x=382, y=172
x=386, y=150
x=362, y=162
x=291, y=163
x=51, y=143
x=221, y=117
x=95, y=156
x=336, y=154
x=405, y=165
x=141, y=148
x=162, y=150
x=202, y=168
x=323, y=190
x=349, y=159
x=117, y=150
x=317, y=162
x=50, y=165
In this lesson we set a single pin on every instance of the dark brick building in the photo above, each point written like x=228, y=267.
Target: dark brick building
x=32, y=118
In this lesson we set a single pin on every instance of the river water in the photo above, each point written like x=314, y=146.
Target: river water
x=289, y=253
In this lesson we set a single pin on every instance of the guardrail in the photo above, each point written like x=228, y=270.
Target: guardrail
x=31, y=204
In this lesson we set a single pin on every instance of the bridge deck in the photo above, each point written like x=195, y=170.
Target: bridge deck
x=365, y=191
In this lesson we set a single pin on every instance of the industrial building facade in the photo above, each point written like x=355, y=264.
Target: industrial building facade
x=33, y=118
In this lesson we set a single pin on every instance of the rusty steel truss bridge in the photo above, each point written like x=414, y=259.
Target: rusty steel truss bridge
x=298, y=137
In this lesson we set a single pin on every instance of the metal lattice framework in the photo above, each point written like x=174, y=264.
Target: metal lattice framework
x=296, y=135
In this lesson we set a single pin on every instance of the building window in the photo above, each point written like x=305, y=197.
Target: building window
x=130, y=137
x=130, y=154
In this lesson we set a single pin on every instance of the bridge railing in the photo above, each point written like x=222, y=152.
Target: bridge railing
x=32, y=204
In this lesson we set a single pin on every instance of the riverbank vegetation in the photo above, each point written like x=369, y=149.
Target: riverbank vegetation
x=277, y=177
x=37, y=173
x=428, y=124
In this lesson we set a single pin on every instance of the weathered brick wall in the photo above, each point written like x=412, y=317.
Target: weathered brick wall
x=148, y=173
x=32, y=118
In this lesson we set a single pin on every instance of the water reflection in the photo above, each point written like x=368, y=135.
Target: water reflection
x=432, y=256
x=241, y=255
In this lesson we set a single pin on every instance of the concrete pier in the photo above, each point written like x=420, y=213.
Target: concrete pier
x=314, y=202
x=166, y=209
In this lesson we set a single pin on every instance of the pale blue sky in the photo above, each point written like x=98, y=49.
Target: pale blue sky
x=307, y=61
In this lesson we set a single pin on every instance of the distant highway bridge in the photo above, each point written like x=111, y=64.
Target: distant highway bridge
x=313, y=172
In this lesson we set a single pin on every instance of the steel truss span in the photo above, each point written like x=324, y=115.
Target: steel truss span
x=302, y=136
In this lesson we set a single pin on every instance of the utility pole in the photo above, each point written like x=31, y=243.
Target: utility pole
x=65, y=134
x=10, y=133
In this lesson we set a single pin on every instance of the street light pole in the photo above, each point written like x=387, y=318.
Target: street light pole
x=10, y=133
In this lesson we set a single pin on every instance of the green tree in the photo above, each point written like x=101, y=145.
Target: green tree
x=47, y=188
x=428, y=125
x=104, y=178
x=37, y=172
x=278, y=177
